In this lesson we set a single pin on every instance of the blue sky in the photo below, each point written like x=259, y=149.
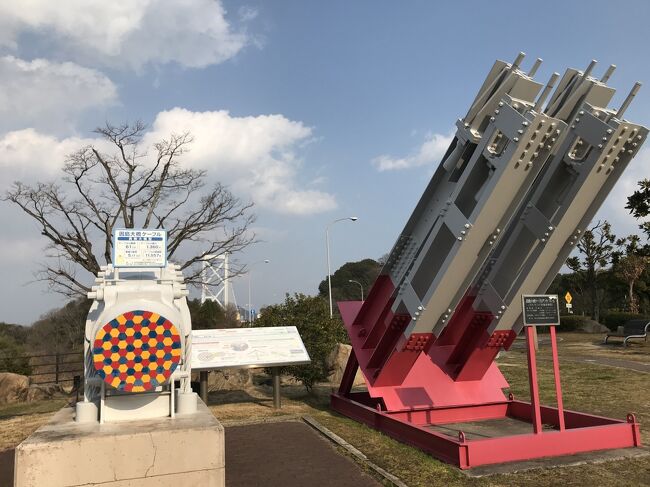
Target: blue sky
x=321, y=95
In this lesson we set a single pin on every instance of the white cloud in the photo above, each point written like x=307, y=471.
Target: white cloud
x=131, y=33
x=431, y=151
x=28, y=154
x=256, y=156
x=49, y=95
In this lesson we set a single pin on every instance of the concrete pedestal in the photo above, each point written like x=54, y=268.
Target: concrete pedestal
x=187, y=450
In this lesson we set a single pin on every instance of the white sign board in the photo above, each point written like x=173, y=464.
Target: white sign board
x=138, y=247
x=247, y=347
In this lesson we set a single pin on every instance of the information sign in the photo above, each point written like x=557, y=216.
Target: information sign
x=568, y=298
x=138, y=247
x=540, y=309
x=247, y=347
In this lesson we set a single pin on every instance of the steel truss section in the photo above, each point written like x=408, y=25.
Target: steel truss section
x=513, y=194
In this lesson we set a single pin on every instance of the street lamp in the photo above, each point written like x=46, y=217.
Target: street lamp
x=250, y=314
x=360, y=285
x=327, y=243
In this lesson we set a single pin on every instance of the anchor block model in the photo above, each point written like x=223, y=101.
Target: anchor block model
x=527, y=170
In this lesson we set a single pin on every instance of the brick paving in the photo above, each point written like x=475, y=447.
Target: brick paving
x=287, y=454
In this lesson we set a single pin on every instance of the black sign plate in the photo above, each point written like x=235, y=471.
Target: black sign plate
x=540, y=309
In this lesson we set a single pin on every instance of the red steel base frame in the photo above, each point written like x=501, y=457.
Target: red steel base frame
x=582, y=432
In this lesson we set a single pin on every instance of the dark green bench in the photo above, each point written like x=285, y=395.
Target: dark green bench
x=631, y=329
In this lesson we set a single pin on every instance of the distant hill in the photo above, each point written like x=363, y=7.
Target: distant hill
x=17, y=333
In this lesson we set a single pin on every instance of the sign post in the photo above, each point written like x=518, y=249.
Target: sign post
x=568, y=298
x=247, y=348
x=139, y=247
x=542, y=310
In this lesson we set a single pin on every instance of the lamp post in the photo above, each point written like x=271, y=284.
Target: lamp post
x=360, y=285
x=250, y=309
x=327, y=243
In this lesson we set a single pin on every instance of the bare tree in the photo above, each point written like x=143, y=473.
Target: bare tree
x=124, y=186
x=596, y=248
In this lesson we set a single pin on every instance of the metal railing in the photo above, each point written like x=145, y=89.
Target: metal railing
x=52, y=368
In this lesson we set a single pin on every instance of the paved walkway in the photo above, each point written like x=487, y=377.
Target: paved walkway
x=287, y=454
x=612, y=362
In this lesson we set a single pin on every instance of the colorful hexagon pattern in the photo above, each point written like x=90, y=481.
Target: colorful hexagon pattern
x=137, y=351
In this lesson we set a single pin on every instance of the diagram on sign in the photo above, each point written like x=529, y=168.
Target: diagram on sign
x=237, y=347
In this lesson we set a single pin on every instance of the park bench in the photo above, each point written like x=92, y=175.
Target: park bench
x=631, y=329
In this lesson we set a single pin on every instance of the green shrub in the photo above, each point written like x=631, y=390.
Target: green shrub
x=572, y=322
x=319, y=333
x=12, y=357
x=614, y=320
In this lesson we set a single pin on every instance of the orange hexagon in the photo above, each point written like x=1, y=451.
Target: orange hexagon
x=137, y=320
x=122, y=368
x=130, y=355
x=129, y=331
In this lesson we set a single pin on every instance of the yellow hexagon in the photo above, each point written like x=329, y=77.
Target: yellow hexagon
x=130, y=355
x=137, y=367
x=160, y=378
x=154, y=317
x=160, y=329
x=114, y=332
x=160, y=353
x=107, y=345
x=98, y=357
x=129, y=332
x=137, y=343
x=100, y=334
x=146, y=378
x=121, y=319
x=145, y=355
x=115, y=357
x=168, y=341
x=116, y=382
x=137, y=320
x=176, y=352
x=130, y=379
x=107, y=369
x=122, y=368
x=137, y=389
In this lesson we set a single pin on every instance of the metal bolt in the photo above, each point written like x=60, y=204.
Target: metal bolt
x=420, y=308
x=609, y=131
x=467, y=225
x=463, y=232
x=525, y=124
x=500, y=103
x=460, y=238
x=550, y=228
x=503, y=307
x=492, y=119
x=516, y=139
x=582, y=112
x=520, y=131
x=543, y=240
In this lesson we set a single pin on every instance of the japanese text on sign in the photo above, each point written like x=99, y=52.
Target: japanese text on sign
x=134, y=247
x=540, y=309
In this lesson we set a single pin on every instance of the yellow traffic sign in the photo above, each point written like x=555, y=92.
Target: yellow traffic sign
x=568, y=298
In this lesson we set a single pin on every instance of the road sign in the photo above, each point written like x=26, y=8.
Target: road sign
x=568, y=298
x=540, y=309
x=139, y=247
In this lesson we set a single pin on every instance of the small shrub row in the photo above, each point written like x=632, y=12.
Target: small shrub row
x=614, y=320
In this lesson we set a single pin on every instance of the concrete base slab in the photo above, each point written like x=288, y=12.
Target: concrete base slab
x=593, y=457
x=187, y=450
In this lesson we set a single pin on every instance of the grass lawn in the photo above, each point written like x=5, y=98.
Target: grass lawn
x=587, y=387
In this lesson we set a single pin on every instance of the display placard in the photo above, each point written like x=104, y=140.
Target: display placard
x=540, y=309
x=247, y=348
x=139, y=247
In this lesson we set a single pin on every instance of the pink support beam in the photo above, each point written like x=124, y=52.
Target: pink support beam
x=556, y=375
x=532, y=379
